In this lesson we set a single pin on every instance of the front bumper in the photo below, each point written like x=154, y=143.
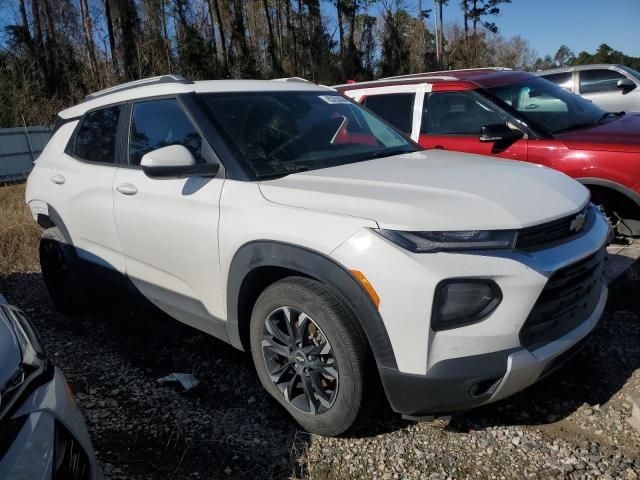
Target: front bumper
x=452, y=385
x=46, y=414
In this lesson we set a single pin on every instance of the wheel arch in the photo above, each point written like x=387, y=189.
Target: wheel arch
x=631, y=195
x=53, y=219
x=258, y=264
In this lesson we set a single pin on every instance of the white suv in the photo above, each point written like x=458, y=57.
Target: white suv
x=287, y=220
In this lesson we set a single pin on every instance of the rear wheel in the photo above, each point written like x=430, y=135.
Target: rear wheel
x=309, y=354
x=61, y=273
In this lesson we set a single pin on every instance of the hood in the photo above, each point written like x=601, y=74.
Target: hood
x=434, y=190
x=10, y=356
x=619, y=135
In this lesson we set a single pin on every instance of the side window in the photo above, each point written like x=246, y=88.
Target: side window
x=160, y=123
x=395, y=108
x=457, y=113
x=96, y=139
x=595, y=81
x=564, y=79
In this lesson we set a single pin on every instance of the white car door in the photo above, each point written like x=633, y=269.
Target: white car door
x=82, y=186
x=168, y=228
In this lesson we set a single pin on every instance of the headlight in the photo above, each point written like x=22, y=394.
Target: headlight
x=463, y=301
x=421, y=242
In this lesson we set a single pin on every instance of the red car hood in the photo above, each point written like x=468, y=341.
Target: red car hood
x=619, y=135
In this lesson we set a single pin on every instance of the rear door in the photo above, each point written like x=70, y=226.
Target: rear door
x=452, y=120
x=81, y=186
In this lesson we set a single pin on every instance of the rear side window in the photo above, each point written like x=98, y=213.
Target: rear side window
x=564, y=79
x=96, y=139
x=395, y=108
x=457, y=113
x=594, y=81
x=160, y=123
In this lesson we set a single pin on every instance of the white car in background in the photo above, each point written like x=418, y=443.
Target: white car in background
x=285, y=219
x=614, y=88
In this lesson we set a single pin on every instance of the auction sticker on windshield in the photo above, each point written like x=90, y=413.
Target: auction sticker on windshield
x=334, y=99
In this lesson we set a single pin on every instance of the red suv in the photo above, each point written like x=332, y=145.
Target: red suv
x=519, y=116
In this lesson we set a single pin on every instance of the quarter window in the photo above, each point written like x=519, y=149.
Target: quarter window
x=457, y=113
x=96, y=139
x=395, y=108
x=595, y=81
x=160, y=123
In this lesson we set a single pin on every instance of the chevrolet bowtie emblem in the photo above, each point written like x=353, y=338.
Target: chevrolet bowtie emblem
x=578, y=222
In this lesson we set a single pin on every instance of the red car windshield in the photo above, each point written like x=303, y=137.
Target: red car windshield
x=547, y=105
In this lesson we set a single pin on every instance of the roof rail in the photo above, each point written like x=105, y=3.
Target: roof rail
x=498, y=69
x=139, y=83
x=292, y=79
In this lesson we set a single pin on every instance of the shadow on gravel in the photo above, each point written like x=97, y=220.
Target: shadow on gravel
x=226, y=427
x=593, y=376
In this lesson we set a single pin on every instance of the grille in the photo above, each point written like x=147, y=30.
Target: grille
x=541, y=236
x=71, y=461
x=569, y=297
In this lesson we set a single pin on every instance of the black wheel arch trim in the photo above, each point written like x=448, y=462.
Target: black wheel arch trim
x=53, y=219
x=601, y=182
x=268, y=253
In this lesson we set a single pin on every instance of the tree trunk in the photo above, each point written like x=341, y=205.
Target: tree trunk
x=277, y=70
x=441, y=32
x=38, y=44
x=340, y=26
x=223, y=39
x=112, y=40
x=88, y=37
x=465, y=11
x=212, y=20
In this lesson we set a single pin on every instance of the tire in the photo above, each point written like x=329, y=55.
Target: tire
x=325, y=321
x=61, y=273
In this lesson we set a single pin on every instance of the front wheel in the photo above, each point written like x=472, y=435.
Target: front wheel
x=309, y=353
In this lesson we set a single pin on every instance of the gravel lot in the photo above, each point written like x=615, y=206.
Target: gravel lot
x=570, y=425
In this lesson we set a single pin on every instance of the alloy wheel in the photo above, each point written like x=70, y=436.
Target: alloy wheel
x=299, y=359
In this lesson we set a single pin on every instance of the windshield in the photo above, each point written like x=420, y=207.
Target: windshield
x=278, y=133
x=548, y=106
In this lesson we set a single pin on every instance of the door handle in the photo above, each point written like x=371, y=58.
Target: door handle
x=127, y=189
x=57, y=179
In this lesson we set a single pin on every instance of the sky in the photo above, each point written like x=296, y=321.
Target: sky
x=546, y=24
x=579, y=24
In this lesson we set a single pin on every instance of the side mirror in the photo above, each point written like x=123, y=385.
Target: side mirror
x=626, y=84
x=175, y=161
x=499, y=133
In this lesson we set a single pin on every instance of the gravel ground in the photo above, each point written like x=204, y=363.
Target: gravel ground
x=570, y=425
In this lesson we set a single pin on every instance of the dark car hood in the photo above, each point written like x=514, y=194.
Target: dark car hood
x=618, y=135
x=10, y=356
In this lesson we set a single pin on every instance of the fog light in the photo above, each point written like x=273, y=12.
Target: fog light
x=461, y=302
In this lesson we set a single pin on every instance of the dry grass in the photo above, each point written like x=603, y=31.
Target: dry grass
x=19, y=234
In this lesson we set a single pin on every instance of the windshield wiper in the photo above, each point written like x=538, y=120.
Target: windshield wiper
x=390, y=153
x=272, y=175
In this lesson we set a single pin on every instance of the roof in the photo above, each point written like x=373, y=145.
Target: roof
x=156, y=86
x=470, y=78
x=606, y=66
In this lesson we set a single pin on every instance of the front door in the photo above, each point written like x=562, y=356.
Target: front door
x=168, y=228
x=453, y=120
